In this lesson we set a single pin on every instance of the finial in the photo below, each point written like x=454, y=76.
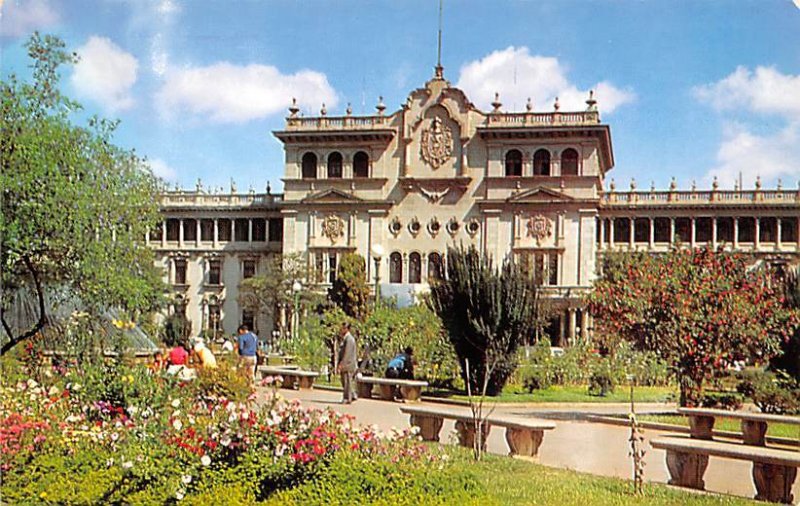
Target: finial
x=252, y=190
x=199, y=185
x=633, y=184
x=673, y=184
x=293, y=109
x=694, y=185
x=758, y=182
x=381, y=106
x=497, y=104
x=324, y=110
x=715, y=184
x=529, y=105
x=556, y=105
x=233, y=186
x=736, y=185
x=652, y=186
x=780, y=184
x=269, y=188
x=591, y=102
x=613, y=185
x=349, y=109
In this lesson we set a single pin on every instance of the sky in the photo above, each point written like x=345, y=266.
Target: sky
x=691, y=89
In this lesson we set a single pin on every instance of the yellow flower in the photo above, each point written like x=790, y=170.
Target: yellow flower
x=43, y=495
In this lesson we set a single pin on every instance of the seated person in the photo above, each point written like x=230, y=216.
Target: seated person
x=178, y=355
x=178, y=361
x=204, y=355
x=402, y=365
x=159, y=363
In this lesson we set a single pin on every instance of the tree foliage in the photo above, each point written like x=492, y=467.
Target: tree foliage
x=350, y=290
x=789, y=358
x=76, y=207
x=700, y=310
x=488, y=313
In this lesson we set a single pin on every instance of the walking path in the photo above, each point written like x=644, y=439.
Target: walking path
x=574, y=444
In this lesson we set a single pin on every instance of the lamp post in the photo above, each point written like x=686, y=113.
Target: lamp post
x=377, y=254
x=296, y=287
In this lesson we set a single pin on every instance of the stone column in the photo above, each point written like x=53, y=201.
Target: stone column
x=572, y=322
x=611, y=233
x=736, y=233
x=602, y=233
x=714, y=232
x=757, y=236
x=584, y=325
x=777, y=232
x=216, y=233
x=180, y=233
x=197, y=232
x=652, y=232
x=164, y=234
x=562, y=328
x=671, y=231
x=249, y=230
x=632, y=230
x=693, y=233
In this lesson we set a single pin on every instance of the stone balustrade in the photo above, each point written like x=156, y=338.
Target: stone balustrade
x=336, y=123
x=187, y=199
x=514, y=119
x=689, y=197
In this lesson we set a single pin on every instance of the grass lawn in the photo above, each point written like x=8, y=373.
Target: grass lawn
x=513, y=481
x=773, y=429
x=579, y=393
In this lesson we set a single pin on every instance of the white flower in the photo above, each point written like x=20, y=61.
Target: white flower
x=114, y=436
x=109, y=462
x=127, y=464
x=179, y=495
x=225, y=441
x=176, y=403
x=72, y=419
x=186, y=479
x=177, y=424
x=205, y=460
x=76, y=387
x=132, y=410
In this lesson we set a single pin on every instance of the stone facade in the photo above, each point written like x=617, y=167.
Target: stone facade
x=440, y=172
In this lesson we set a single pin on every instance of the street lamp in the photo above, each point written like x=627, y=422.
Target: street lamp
x=377, y=254
x=296, y=287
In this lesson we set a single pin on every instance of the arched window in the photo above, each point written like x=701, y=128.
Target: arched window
x=309, y=166
x=395, y=268
x=569, y=162
x=361, y=165
x=335, y=165
x=541, y=163
x=414, y=268
x=434, y=266
x=514, y=163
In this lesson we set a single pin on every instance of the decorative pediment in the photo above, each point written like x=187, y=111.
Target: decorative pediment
x=331, y=196
x=540, y=194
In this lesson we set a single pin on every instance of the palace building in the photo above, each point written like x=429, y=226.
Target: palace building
x=399, y=188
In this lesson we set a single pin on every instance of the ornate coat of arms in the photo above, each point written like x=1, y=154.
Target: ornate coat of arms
x=437, y=143
x=539, y=227
x=332, y=227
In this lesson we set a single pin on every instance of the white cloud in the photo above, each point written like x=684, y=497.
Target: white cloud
x=771, y=157
x=227, y=93
x=516, y=75
x=162, y=170
x=20, y=19
x=105, y=74
x=764, y=91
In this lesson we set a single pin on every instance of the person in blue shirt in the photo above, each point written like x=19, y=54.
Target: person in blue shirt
x=247, y=344
x=402, y=365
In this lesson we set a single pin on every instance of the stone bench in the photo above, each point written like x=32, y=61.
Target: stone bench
x=410, y=390
x=523, y=435
x=292, y=377
x=754, y=425
x=774, y=469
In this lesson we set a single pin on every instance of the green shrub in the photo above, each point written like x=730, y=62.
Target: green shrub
x=224, y=381
x=772, y=393
x=535, y=378
x=723, y=400
x=603, y=378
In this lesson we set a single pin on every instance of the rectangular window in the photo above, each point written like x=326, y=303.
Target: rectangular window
x=214, y=272
x=173, y=229
x=259, y=230
x=155, y=232
x=683, y=230
x=788, y=230
x=725, y=230
x=224, y=230
x=702, y=230
x=180, y=271
x=538, y=269
x=641, y=230
x=661, y=228
x=189, y=230
x=747, y=229
x=319, y=267
x=331, y=267
x=553, y=270
x=207, y=230
x=768, y=230
x=248, y=269
x=275, y=229
x=242, y=233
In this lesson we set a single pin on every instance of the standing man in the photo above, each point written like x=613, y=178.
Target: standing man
x=247, y=344
x=348, y=363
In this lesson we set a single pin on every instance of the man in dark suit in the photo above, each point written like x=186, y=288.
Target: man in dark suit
x=348, y=364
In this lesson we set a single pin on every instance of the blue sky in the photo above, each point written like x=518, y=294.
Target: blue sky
x=691, y=89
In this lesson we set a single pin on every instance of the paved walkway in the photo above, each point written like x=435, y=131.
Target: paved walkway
x=578, y=445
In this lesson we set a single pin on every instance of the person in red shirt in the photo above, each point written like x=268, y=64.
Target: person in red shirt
x=178, y=355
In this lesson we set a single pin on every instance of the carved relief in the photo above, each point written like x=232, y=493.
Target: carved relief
x=333, y=227
x=414, y=226
x=473, y=227
x=539, y=227
x=452, y=227
x=434, y=226
x=437, y=143
x=395, y=226
x=433, y=196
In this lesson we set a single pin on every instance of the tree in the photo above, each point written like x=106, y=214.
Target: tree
x=350, y=290
x=698, y=309
x=788, y=360
x=488, y=314
x=76, y=207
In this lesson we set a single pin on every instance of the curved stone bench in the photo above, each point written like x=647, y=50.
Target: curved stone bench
x=754, y=425
x=523, y=435
x=774, y=469
x=410, y=390
x=291, y=376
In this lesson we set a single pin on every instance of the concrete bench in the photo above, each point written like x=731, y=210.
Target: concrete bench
x=410, y=390
x=523, y=435
x=292, y=377
x=754, y=425
x=774, y=469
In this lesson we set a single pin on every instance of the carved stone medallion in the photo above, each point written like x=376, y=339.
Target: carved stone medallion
x=437, y=143
x=332, y=227
x=539, y=227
